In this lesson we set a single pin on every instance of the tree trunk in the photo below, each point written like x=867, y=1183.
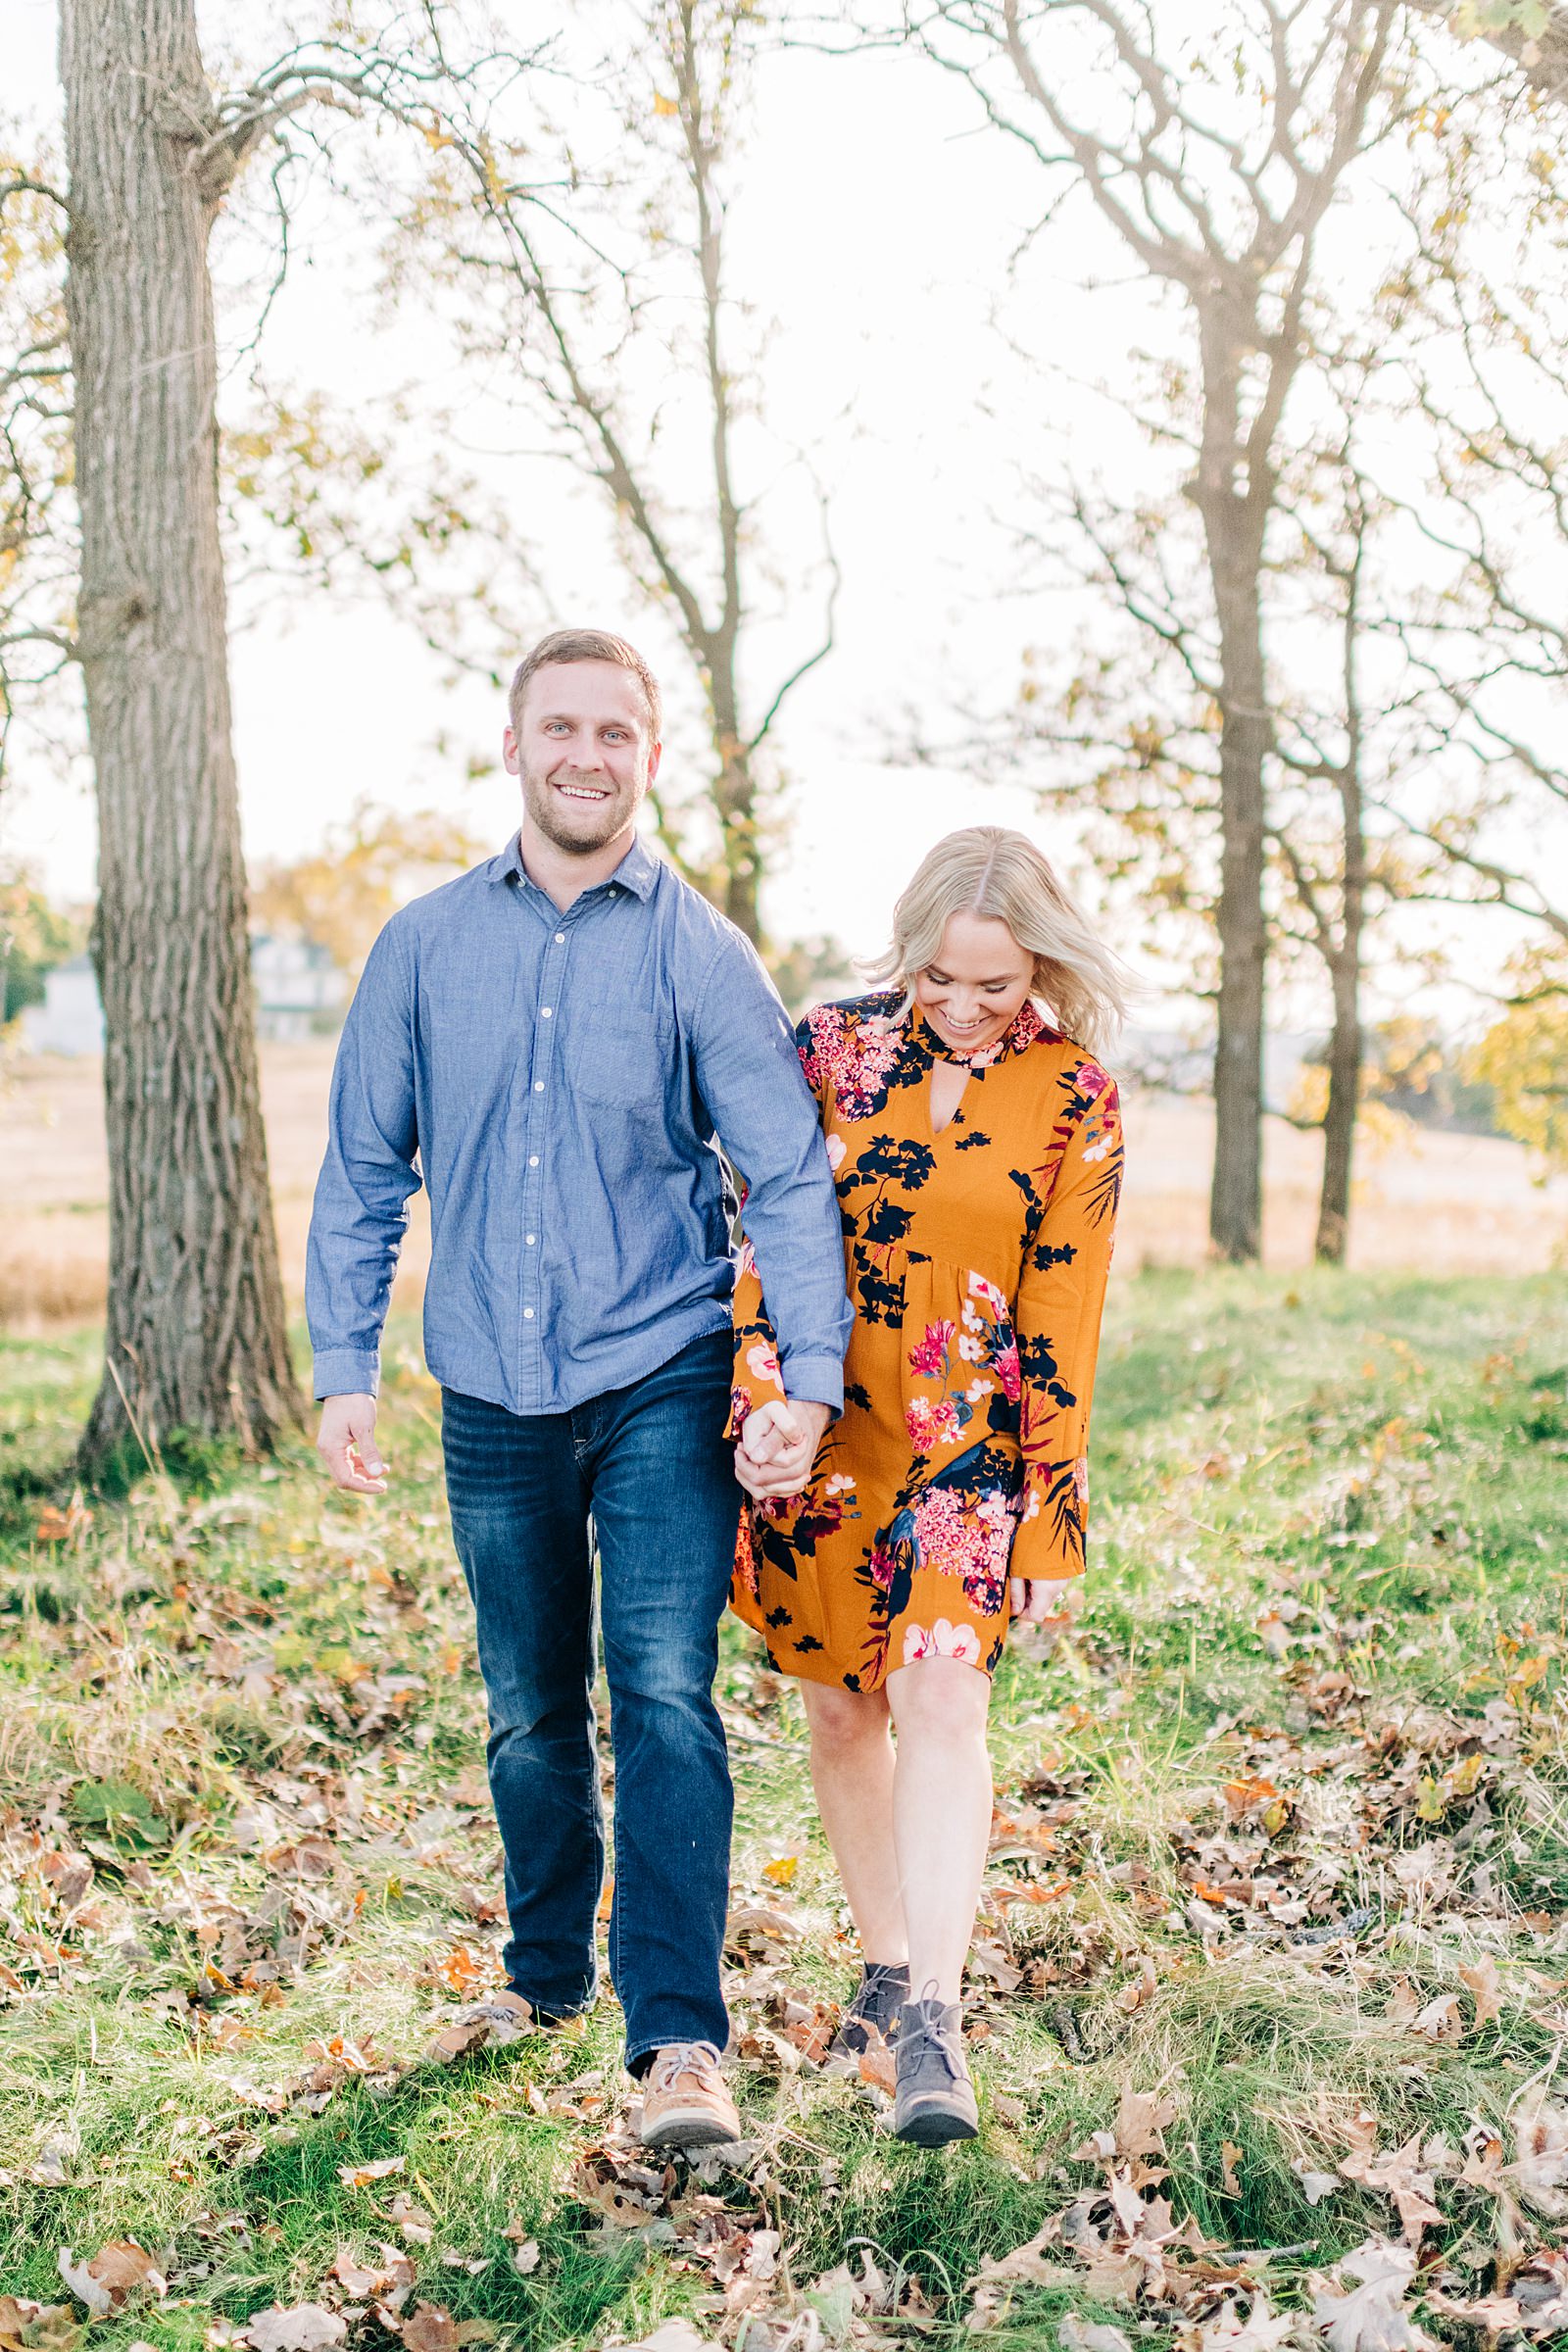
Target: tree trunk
x=735, y=795
x=738, y=816
x=196, y=1337
x=1338, y=1120
x=1232, y=526
x=1346, y=1042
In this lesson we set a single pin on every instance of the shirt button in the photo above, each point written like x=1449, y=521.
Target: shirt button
x=530, y=1238
x=534, y=1160
x=527, y=1314
x=544, y=1013
x=560, y=939
x=538, y=1086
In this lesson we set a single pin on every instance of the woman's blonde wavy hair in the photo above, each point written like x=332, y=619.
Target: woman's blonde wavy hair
x=989, y=869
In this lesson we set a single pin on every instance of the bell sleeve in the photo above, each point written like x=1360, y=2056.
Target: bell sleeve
x=1061, y=1293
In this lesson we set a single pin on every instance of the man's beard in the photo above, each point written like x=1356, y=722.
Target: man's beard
x=589, y=826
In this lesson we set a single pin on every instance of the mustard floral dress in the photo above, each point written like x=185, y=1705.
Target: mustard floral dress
x=976, y=1260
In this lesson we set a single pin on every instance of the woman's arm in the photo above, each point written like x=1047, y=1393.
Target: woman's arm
x=1061, y=1293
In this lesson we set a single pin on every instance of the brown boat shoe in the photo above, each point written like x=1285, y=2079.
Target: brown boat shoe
x=685, y=2104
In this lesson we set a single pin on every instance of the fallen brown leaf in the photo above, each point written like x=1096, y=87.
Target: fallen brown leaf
x=389, y=2280
x=1262, y=2330
x=114, y=2273
x=1371, y=2317
x=1400, y=2176
x=1442, y=2020
x=1482, y=1982
x=429, y=2328
x=296, y=2328
x=1540, y=2158
x=360, y=2176
x=491, y=2024
x=1090, y=2335
x=29, y=2327
x=411, y=2220
x=672, y=2335
x=878, y=2066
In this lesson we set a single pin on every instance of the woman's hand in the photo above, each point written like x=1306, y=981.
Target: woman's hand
x=778, y=1445
x=1041, y=1599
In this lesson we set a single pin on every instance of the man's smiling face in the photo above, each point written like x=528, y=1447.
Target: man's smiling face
x=583, y=749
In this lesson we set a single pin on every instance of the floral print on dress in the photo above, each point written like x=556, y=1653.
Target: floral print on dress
x=941, y=1641
x=976, y=1258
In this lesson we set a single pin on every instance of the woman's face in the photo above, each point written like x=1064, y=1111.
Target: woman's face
x=974, y=989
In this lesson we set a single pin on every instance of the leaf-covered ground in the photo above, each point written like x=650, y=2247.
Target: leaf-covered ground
x=1269, y=1995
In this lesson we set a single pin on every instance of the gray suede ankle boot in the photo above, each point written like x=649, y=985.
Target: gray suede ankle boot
x=881, y=1993
x=934, y=2102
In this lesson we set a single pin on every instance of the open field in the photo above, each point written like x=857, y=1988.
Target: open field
x=1268, y=1995
x=1436, y=1204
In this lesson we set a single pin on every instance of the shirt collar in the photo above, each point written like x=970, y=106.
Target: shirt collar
x=638, y=872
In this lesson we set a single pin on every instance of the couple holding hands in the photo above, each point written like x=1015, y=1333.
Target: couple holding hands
x=869, y=1438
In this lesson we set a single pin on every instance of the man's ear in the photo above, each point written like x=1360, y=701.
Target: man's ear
x=652, y=762
x=510, y=755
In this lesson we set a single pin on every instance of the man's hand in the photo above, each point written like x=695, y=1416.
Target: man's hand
x=347, y=1445
x=778, y=1447
x=1044, y=1600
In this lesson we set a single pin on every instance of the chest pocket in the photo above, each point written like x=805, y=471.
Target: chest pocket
x=619, y=1055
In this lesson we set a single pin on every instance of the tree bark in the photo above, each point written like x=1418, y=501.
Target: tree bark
x=1234, y=508
x=1347, y=1042
x=734, y=796
x=196, y=1336
x=742, y=861
x=1344, y=1103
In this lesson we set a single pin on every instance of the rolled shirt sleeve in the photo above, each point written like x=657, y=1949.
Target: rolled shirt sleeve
x=749, y=1071
x=361, y=1208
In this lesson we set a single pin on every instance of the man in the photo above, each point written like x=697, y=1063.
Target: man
x=557, y=1036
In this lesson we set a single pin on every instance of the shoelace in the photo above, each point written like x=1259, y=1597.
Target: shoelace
x=881, y=1979
x=934, y=2040
x=934, y=2037
x=681, y=2058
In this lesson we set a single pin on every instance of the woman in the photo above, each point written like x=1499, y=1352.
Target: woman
x=977, y=1151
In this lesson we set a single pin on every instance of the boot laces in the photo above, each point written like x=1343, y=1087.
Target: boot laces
x=681, y=2058
x=935, y=2037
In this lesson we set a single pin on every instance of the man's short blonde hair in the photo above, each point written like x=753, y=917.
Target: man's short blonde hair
x=586, y=645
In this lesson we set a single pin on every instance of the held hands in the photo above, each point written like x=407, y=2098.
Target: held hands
x=778, y=1445
x=1044, y=1600
x=347, y=1445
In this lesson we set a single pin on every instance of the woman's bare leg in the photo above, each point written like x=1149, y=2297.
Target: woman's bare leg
x=853, y=1771
x=941, y=1813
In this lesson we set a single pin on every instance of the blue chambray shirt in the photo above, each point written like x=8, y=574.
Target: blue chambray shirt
x=557, y=1082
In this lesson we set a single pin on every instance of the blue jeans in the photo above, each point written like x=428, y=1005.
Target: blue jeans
x=650, y=1467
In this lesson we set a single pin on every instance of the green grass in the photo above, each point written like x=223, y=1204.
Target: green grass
x=1319, y=1672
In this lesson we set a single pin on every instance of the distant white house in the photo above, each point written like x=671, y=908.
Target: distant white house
x=298, y=990
x=299, y=993
x=70, y=1021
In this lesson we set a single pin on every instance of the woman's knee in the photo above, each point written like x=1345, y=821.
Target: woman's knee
x=844, y=1723
x=940, y=1700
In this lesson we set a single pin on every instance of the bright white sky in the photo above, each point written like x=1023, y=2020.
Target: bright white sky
x=875, y=225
